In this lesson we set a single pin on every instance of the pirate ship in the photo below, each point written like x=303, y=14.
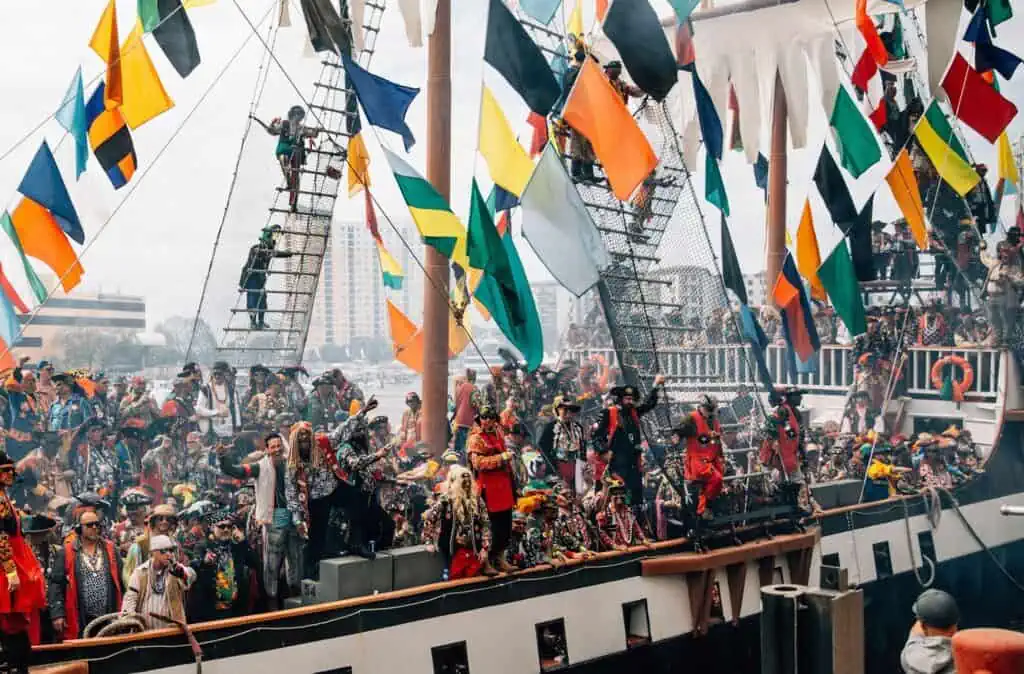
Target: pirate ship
x=643, y=609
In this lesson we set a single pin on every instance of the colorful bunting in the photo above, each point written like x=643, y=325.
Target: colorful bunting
x=907, y=194
x=144, y=93
x=858, y=147
x=507, y=161
x=987, y=56
x=797, y=322
x=808, y=256
x=731, y=274
x=44, y=185
x=838, y=278
x=172, y=29
x=559, y=227
x=1007, y=166
x=635, y=29
x=437, y=225
x=38, y=289
x=42, y=238
x=105, y=42
x=406, y=339
x=10, y=326
x=542, y=11
x=517, y=57
x=390, y=270
x=595, y=109
x=11, y=293
x=868, y=31
x=110, y=140
x=936, y=138
x=683, y=9
x=385, y=103
x=832, y=187
x=707, y=116
x=714, y=186
x=358, y=165
x=71, y=115
x=975, y=102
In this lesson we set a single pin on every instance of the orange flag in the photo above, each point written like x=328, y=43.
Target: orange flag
x=7, y=363
x=601, y=9
x=106, y=45
x=42, y=238
x=596, y=110
x=406, y=339
x=866, y=26
x=908, y=197
x=808, y=257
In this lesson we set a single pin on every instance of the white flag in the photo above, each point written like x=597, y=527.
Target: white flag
x=559, y=228
x=410, y=11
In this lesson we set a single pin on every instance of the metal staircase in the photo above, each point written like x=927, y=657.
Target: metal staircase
x=664, y=280
x=293, y=283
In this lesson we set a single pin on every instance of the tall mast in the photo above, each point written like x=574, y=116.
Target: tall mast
x=435, y=291
x=776, y=225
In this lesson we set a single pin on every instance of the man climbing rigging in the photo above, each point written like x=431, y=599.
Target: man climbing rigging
x=290, y=150
x=254, y=274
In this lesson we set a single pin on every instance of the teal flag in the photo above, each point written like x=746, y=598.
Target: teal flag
x=858, y=149
x=840, y=281
x=541, y=10
x=683, y=8
x=38, y=289
x=508, y=298
x=71, y=115
x=714, y=188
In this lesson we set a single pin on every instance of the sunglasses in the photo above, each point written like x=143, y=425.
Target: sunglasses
x=164, y=518
x=90, y=525
x=222, y=525
x=6, y=470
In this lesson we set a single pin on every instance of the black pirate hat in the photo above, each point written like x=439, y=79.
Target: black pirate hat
x=37, y=524
x=620, y=392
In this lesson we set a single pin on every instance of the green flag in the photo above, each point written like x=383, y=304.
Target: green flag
x=998, y=11
x=840, y=281
x=504, y=288
x=38, y=289
x=858, y=148
x=149, y=14
x=714, y=188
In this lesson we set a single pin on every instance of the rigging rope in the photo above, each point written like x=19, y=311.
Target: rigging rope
x=135, y=184
x=257, y=94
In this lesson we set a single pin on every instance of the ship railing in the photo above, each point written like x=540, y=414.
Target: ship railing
x=723, y=367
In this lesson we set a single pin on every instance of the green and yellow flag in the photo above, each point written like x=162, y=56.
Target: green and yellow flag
x=944, y=150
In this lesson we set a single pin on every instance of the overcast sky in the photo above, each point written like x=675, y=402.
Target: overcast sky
x=158, y=243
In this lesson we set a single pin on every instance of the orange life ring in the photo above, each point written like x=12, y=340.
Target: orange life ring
x=959, y=387
x=602, y=369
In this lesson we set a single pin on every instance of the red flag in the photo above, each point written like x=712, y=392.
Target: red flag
x=371, y=218
x=975, y=102
x=540, y=133
x=867, y=29
x=11, y=293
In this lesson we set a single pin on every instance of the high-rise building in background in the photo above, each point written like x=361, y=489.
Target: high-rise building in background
x=350, y=304
x=757, y=288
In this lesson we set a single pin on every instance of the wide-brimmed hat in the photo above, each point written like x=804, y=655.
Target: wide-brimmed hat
x=136, y=498
x=619, y=392
x=37, y=524
x=486, y=412
x=561, y=402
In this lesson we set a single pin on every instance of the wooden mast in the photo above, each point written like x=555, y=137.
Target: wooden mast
x=776, y=224
x=435, y=291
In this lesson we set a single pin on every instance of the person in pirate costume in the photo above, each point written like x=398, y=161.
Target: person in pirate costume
x=783, y=447
x=613, y=69
x=72, y=408
x=572, y=537
x=224, y=566
x=85, y=579
x=345, y=389
x=158, y=586
x=618, y=435
x=40, y=532
x=178, y=413
x=705, y=459
x=322, y=405
x=136, y=504
x=21, y=417
x=618, y=528
x=292, y=388
x=259, y=375
x=563, y=442
x=410, y=431
x=253, y=279
x=358, y=468
x=457, y=524
x=279, y=537
x=492, y=465
x=97, y=467
x=521, y=552
x=137, y=408
x=22, y=585
x=162, y=521
x=860, y=417
x=264, y=407
x=218, y=409
x=310, y=485
x=42, y=474
x=159, y=469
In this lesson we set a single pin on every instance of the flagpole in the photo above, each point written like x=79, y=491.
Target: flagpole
x=777, y=186
x=435, y=292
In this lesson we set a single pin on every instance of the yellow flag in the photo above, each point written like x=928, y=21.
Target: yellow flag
x=144, y=93
x=104, y=42
x=808, y=258
x=576, y=20
x=1007, y=167
x=458, y=336
x=507, y=161
x=905, y=190
x=358, y=165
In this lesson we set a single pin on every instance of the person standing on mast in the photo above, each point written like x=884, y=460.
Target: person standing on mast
x=254, y=274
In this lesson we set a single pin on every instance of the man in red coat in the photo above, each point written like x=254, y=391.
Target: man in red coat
x=705, y=460
x=492, y=463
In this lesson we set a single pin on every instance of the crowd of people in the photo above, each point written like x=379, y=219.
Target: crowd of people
x=221, y=499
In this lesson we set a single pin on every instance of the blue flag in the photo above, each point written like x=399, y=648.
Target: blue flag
x=71, y=115
x=761, y=173
x=44, y=185
x=987, y=56
x=753, y=332
x=384, y=102
x=710, y=124
x=10, y=326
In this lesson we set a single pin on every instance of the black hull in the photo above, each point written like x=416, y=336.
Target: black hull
x=987, y=598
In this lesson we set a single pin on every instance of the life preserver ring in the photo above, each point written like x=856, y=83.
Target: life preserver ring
x=602, y=369
x=959, y=387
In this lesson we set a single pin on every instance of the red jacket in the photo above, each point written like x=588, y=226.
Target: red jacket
x=703, y=448
x=71, y=626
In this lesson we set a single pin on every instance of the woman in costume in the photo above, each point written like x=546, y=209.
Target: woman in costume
x=458, y=525
x=22, y=590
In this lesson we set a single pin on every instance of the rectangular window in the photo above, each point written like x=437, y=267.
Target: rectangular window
x=883, y=559
x=552, y=649
x=450, y=658
x=831, y=559
x=637, y=623
x=927, y=546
